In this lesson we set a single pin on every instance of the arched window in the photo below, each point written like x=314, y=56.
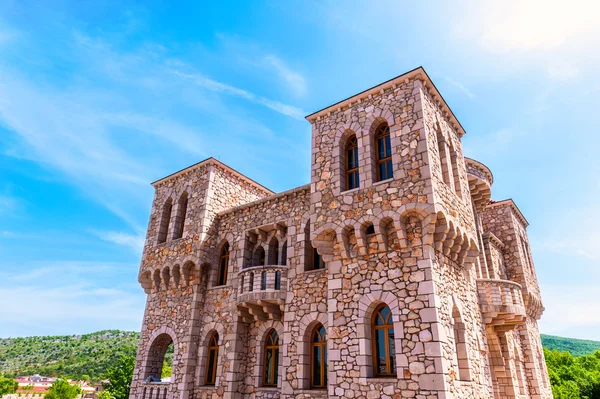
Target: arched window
x=259, y=256
x=443, y=154
x=211, y=360
x=180, y=217
x=352, y=176
x=271, y=364
x=274, y=251
x=223, y=265
x=382, y=335
x=251, y=282
x=263, y=281
x=455, y=174
x=460, y=346
x=165, y=219
x=383, y=153
x=318, y=358
x=370, y=229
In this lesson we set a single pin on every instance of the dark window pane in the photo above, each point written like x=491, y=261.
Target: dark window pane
x=385, y=312
x=316, y=366
x=388, y=147
x=276, y=368
x=392, y=347
x=269, y=367
x=380, y=351
x=382, y=171
x=390, y=171
x=211, y=365
x=380, y=149
x=263, y=281
x=277, y=280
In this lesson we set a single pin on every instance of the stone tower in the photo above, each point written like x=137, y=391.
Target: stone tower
x=393, y=274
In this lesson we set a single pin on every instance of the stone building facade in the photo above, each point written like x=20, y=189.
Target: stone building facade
x=391, y=275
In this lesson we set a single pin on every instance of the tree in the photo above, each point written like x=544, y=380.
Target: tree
x=61, y=389
x=105, y=395
x=167, y=371
x=8, y=385
x=119, y=377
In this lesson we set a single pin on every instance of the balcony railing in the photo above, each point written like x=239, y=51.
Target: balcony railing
x=501, y=301
x=261, y=291
x=157, y=390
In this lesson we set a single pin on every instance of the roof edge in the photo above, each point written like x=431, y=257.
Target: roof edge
x=412, y=74
x=211, y=161
x=513, y=205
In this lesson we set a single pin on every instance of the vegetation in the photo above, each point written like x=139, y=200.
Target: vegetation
x=7, y=385
x=119, y=377
x=573, y=377
x=576, y=347
x=61, y=389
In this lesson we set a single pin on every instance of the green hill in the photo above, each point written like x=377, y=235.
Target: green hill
x=71, y=355
x=576, y=347
x=91, y=354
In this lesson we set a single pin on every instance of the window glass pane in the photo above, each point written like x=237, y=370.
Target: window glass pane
x=388, y=146
x=385, y=312
x=263, y=281
x=211, y=365
x=316, y=366
x=392, y=347
x=277, y=280
x=390, y=171
x=382, y=171
x=276, y=368
x=269, y=367
x=380, y=149
x=380, y=351
x=325, y=364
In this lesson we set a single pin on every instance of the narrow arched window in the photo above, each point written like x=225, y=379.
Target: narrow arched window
x=383, y=153
x=460, y=346
x=271, y=361
x=455, y=172
x=284, y=253
x=251, y=282
x=223, y=265
x=165, y=219
x=352, y=176
x=382, y=335
x=180, y=216
x=318, y=358
x=274, y=251
x=443, y=154
x=211, y=360
x=277, y=280
x=259, y=256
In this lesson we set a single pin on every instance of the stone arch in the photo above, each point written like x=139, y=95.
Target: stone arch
x=389, y=225
x=166, y=277
x=157, y=280
x=259, y=256
x=461, y=356
x=180, y=215
x=306, y=327
x=361, y=229
x=425, y=213
x=176, y=272
x=366, y=306
x=260, y=335
x=207, y=332
x=324, y=240
x=274, y=250
x=158, y=344
x=344, y=231
x=373, y=121
x=189, y=271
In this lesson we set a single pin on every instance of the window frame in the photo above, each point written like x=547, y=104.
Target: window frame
x=383, y=132
x=213, y=346
x=322, y=346
x=322, y=264
x=223, y=268
x=352, y=174
x=388, y=324
x=271, y=346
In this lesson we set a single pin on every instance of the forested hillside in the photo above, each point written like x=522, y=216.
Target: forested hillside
x=576, y=347
x=72, y=355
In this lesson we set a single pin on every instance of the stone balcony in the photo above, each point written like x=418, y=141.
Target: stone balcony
x=480, y=182
x=501, y=301
x=157, y=390
x=261, y=292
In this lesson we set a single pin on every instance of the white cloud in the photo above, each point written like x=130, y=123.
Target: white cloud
x=562, y=71
x=133, y=241
x=295, y=80
x=460, y=87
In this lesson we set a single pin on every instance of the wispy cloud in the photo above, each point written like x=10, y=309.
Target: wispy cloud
x=460, y=87
x=296, y=81
x=133, y=241
x=7, y=204
x=207, y=83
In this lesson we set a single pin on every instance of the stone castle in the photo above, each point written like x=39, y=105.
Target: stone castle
x=391, y=275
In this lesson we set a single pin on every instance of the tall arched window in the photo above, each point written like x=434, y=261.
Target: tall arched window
x=223, y=265
x=165, y=219
x=443, y=154
x=277, y=283
x=211, y=360
x=352, y=175
x=382, y=335
x=383, y=153
x=259, y=256
x=460, y=346
x=271, y=363
x=455, y=173
x=318, y=358
x=180, y=217
x=274, y=251
x=284, y=253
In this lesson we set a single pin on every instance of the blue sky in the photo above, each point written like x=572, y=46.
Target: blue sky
x=98, y=100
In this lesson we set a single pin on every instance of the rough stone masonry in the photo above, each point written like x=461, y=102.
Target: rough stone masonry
x=391, y=275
